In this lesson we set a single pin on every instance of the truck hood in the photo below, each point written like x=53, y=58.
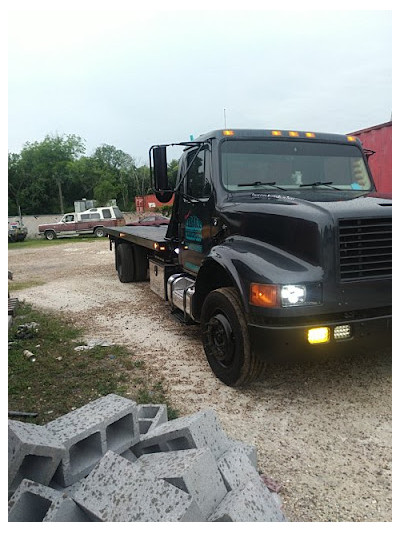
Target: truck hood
x=296, y=225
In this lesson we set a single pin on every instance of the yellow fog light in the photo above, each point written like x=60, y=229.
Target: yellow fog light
x=318, y=335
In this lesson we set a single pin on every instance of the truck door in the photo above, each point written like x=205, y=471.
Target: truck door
x=196, y=209
x=68, y=225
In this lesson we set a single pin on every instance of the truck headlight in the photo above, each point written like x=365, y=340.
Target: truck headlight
x=293, y=295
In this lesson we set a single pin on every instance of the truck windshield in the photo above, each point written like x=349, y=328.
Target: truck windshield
x=277, y=164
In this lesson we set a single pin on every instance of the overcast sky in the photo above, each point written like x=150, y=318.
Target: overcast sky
x=134, y=78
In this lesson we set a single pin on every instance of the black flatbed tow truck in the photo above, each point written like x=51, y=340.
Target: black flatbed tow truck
x=278, y=246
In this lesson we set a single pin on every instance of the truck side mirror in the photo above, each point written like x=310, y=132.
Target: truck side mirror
x=161, y=186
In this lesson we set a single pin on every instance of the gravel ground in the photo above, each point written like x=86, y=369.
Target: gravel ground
x=322, y=430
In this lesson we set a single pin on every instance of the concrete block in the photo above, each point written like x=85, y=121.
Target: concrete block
x=237, y=469
x=108, y=423
x=249, y=449
x=119, y=491
x=129, y=455
x=247, y=504
x=200, y=430
x=150, y=416
x=193, y=471
x=33, y=453
x=33, y=502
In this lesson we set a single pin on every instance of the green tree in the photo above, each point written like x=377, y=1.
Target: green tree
x=118, y=168
x=105, y=191
x=173, y=171
x=43, y=168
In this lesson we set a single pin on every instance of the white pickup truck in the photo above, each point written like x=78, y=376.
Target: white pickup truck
x=93, y=221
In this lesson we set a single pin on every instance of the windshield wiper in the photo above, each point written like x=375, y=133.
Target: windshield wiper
x=318, y=183
x=260, y=183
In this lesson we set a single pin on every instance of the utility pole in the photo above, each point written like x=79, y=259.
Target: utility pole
x=60, y=195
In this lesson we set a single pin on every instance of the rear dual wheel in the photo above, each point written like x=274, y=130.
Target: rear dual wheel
x=131, y=262
x=226, y=340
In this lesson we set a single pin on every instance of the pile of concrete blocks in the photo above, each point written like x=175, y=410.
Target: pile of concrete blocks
x=115, y=461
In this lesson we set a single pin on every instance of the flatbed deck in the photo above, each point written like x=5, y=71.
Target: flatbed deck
x=144, y=236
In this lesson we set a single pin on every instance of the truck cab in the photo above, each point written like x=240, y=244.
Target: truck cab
x=278, y=246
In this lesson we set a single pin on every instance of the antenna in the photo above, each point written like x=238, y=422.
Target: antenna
x=224, y=118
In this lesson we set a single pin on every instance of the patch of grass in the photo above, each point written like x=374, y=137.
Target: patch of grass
x=20, y=285
x=61, y=378
x=38, y=243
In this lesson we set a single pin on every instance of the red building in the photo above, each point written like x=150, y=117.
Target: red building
x=379, y=139
x=149, y=203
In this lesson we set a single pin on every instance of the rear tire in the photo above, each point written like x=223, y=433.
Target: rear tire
x=125, y=264
x=50, y=235
x=99, y=232
x=226, y=340
x=141, y=263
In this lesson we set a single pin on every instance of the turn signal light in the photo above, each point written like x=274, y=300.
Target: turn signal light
x=276, y=132
x=228, y=133
x=263, y=295
x=310, y=135
x=351, y=138
x=293, y=133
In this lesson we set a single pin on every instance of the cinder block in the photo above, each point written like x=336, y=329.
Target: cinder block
x=108, y=423
x=150, y=416
x=249, y=449
x=119, y=491
x=193, y=471
x=129, y=455
x=33, y=453
x=247, y=504
x=200, y=430
x=33, y=502
x=237, y=470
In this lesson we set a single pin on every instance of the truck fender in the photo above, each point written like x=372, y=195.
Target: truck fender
x=240, y=261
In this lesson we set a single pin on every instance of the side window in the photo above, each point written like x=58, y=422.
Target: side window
x=106, y=213
x=197, y=184
x=94, y=216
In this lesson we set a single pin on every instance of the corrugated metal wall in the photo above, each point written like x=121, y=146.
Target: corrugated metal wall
x=379, y=139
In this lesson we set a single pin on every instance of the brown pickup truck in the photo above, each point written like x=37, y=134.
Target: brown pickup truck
x=93, y=221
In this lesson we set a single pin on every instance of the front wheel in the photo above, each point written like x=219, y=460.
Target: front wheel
x=226, y=340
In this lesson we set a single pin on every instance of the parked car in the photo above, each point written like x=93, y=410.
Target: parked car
x=17, y=231
x=151, y=220
x=93, y=221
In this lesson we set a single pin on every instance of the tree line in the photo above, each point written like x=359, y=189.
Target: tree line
x=49, y=176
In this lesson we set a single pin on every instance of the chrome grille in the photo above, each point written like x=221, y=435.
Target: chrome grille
x=365, y=248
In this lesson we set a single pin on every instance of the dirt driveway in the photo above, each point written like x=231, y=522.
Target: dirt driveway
x=322, y=430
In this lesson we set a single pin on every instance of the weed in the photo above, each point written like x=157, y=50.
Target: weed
x=61, y=378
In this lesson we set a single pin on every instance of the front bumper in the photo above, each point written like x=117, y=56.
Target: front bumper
x=290, y=342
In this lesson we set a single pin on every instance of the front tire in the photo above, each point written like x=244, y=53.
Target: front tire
x=226, y=340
